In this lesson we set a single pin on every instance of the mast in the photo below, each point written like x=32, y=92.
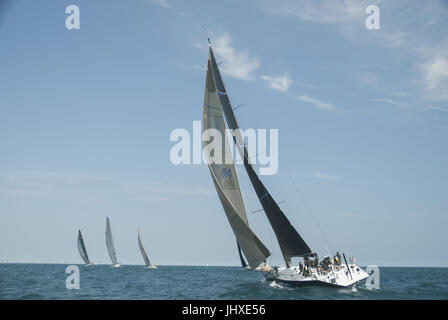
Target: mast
x=82, y=248
x=291, y=243
x=224, y=176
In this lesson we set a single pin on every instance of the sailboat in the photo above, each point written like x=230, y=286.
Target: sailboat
x=110, y=245
x=82, y=250
x=144, y=253
x=217, y=111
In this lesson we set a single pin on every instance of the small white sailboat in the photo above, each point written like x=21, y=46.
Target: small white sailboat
x=144, y=252
x=82, y=250
x=110, y=245
x=333, y=273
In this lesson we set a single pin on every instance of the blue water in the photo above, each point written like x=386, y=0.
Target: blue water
x=47, y=281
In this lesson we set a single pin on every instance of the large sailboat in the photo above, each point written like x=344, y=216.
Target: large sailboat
x=144, y=252
x=110, y=245
x=217, y=111
x=82, y=250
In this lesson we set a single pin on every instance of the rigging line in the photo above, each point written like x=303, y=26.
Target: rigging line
x=292, y=180
x=279, y=203
x=238, y=106
x=194, y=14
x=205, y=32
x=255, y=156
x=307, y=207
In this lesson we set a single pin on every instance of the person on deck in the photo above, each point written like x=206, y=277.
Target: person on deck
x=306, y=262
x=316, y=261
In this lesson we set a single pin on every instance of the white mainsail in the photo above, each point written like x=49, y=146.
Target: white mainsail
x=110, y=243
x=225, y=178
x=143, y=250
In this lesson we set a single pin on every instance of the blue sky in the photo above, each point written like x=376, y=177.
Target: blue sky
x=86, y=115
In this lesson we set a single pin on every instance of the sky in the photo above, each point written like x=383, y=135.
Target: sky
x=86, y=117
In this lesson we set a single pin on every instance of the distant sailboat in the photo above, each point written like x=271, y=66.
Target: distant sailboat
x=216, y=108
x=82, y=250
x=144, y=253
x=110, y=244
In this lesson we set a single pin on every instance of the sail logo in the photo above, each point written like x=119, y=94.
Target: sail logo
x=211, y=147
x=226, y=174
x=227, y=180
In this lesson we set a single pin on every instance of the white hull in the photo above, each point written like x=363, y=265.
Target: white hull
x=116, y=265
x=90, y=264
x=338, y=277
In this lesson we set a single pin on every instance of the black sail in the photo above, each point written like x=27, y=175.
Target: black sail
x=291, y=243
x=82, y=248
x=243, y=262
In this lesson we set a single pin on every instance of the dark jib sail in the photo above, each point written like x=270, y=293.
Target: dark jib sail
x=143, y=250
x=82, y=248
x=291, y=243
x=243, y=262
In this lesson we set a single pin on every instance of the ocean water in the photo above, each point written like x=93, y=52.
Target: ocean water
x=48, y=281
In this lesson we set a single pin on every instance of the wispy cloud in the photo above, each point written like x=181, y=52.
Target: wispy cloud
x=368, y=78
x=437, y=108
x=397, y=103
x=83, y=186
x=165, y=191
x=400, y=94
x=306, y=85
x=317, y=103
x=410, y=30
x=162, y=3
x=325, y=11
x=435, y=76
x=238, y=64
x=280, y=83
x=44, y=184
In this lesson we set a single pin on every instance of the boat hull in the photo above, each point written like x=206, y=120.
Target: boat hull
x=336, y=278
x=310, y=283
x=314, y=283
